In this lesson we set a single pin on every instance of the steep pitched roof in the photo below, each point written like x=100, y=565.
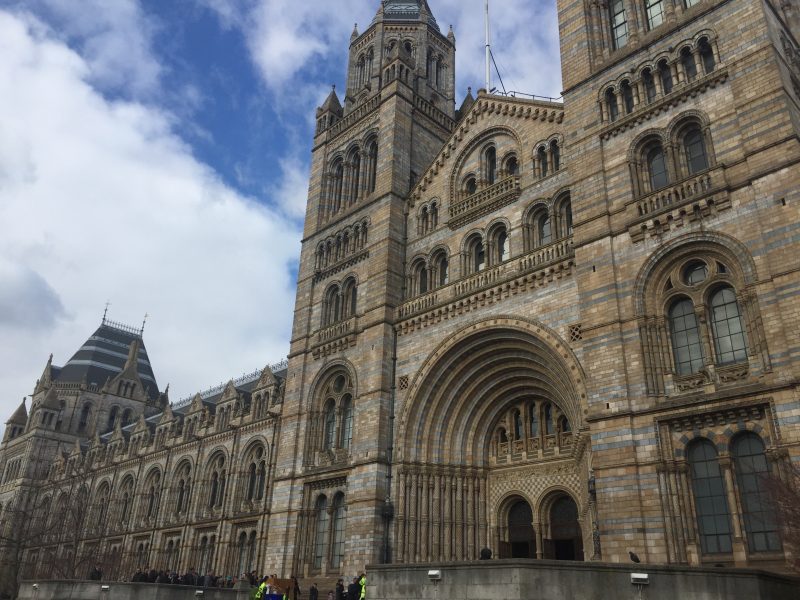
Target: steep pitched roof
x=105, y=355
x=20, y=416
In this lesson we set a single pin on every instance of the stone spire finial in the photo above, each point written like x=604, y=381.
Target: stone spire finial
x=451, y=35
x=355, y=33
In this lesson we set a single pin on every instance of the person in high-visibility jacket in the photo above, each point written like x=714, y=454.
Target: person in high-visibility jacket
x=363, y=583
x=262, y=589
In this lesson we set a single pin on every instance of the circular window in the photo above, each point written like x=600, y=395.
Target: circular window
x=339, y=383
x=695, y=272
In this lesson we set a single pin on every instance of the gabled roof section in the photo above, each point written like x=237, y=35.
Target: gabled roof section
x=20, y=416
x=485, y=106
x=105, y=356
x=331, y=104
x=51, y=401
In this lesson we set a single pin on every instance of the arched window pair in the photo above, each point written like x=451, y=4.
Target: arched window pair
x=428, y=218
x=151, y=496
x=547, y=160
x=217, y=479
x=724, y=325
x=256, y=475
x=183, y=489
x=329, y=531
x=658, y=170
x=336, y=425
x=205, y=553
x=714, y=519
x=546, y=226
x=429, y=273
x=340, y=302
x=125, y=500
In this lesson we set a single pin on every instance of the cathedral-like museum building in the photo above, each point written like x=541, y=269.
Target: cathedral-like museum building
x=562, y=330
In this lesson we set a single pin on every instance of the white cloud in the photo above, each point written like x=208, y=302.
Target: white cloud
x=102, y=200
x=285, y=37
x=113, y=38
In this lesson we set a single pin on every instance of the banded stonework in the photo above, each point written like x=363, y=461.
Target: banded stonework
x=558, y=329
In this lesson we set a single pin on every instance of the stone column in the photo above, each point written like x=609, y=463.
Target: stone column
x=424, y=524
x=739, y=551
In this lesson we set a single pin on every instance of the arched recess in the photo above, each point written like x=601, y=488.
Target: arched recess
x=473, y=151
x=457, y=396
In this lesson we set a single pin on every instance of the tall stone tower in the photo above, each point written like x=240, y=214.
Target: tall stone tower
x=337, y=418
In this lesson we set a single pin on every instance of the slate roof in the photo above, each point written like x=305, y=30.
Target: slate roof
x=408, y=10
x=103, y=356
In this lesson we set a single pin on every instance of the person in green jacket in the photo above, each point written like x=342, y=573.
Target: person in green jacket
x=363, y=583
x=262, y=589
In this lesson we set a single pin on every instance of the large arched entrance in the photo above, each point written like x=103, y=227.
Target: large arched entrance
x=493, y=420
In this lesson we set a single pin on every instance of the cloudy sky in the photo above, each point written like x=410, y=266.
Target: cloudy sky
x=154, y=154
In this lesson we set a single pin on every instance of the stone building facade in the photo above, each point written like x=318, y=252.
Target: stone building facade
x=555, y=329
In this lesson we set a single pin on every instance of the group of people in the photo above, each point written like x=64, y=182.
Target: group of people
x=356, y=590
x=191, y=577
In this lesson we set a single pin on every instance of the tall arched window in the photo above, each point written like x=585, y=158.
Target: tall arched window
x=217, y=478
x=555, y=155
x=512, y=166
x=710, y=499
x=471, y=186
x=758, y=509
x=332, y=308
x=706, y=55
x=549, y=425
x=355, y=177
x=541, y=159
x=694, y=148
x=517, y=425
x=84, y=420
x=565, y=218
x=611, y=105
x=349, y=299
x=126, y=500
x=242, y=544
x=533, y=417
x=491, y=165
x=665, y=74
x=503, y=247
x=649, y=85
x=337, y=186
x=126, y=417
x=544, y=230
x=657, y=168
x=261, y=480
x=627, y=96
x=347, y=421
x=372, y=153
x=477, y=256
x=727, y=327
x=421, y=277
x=685, y=335
x=183, y=489
x=112, y=417
x=330, y=425
x=442, y=269
x=321, y=533
x=338, y=531
x=689, y=66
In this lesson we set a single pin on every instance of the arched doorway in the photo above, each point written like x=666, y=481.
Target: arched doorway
x=521, y=538
x=566, y=540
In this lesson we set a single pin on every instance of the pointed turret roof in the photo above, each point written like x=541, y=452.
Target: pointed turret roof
x=332, y=103
x=20, y=416
x=107, y=353
x=406, y=10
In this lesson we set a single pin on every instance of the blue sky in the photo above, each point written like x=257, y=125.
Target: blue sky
x=154, y=154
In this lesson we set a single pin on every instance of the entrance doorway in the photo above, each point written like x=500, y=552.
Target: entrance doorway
x=565, y=531
x=521, y=538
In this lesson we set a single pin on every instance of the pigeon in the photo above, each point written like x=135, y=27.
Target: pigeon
x=634, y=557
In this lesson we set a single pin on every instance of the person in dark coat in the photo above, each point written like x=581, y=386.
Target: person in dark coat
x=139, y=577
x=295, y=588
x=339, y=590
x=96, y=574
x=313, y=593
x=353, y=590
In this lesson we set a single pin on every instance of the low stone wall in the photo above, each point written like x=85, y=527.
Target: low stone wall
x=93, y=590
x=554, y=580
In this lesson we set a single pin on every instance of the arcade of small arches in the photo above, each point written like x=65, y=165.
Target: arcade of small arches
x=341, y=245
x=533, y=427
x=543, y=223
x=658, y=78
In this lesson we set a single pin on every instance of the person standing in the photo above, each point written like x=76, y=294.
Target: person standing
x=313, y=593
x=363, y=583
x=295, y=588
x=353, y=591
x=339, y=590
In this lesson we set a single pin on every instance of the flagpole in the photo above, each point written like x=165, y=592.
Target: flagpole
x=488, y=51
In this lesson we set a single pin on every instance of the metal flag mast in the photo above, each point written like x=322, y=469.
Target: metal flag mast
x=488, y=51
